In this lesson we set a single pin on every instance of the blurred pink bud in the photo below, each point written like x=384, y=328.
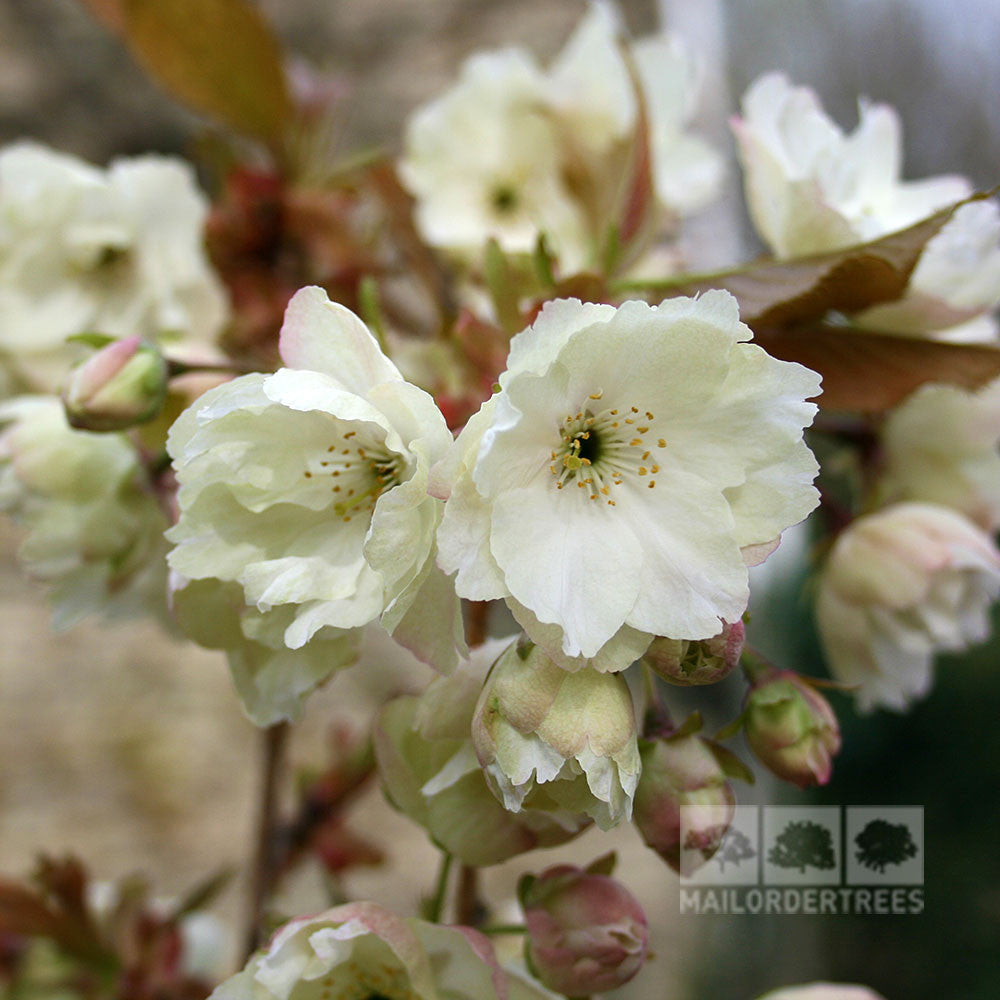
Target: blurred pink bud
x=586, y=932
x=792, y=729
x=690, y=662
x=121, y=385
x=682, y=777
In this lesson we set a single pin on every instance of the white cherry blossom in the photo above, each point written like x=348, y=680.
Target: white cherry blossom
x=607, y=490
x=116, y=251
x=940, y=445
x=308, y=488
x=900, y=585
x=812, y=188
x=93, y=527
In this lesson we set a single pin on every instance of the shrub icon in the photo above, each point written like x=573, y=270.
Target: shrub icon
x=803, y=844
x=882, y=843
x=734, y=848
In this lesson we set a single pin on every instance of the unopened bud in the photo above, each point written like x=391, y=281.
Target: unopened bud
x=684, y=803
x=586, y=932
x=123, y=384
x=792, y=729
x=691, y=662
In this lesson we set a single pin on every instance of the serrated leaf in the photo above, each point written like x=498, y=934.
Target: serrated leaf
x=217, y=56
x=731, y=765
x=870, y=373
x=778, y=294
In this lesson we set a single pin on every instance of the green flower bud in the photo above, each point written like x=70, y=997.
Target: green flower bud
x=792, y=729
x=121, y=385
x=430, y=772
x=537, y=726
x=689, y=662
x=682, y=778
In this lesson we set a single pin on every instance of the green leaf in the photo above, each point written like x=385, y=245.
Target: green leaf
x=95, y=340
x=776, y=294
x=218, y=56
x=203, y=893
x=728, y=731
x=371, y=309
x=691, y=725
x=731, y=765
x=870, y=372
x=501, y=284
x=604, y=865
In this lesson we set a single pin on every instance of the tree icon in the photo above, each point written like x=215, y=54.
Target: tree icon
x=803, y=844
x=734, y=848
x=882, y=843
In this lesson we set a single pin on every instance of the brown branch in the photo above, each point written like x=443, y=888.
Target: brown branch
x=274, y=744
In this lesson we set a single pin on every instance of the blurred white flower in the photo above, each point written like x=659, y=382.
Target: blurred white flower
x=823, y=991
x=272, y=681
x=956, y=281
x=812, y=188
x=592, y=94
x=483, y=160
x=308, y=488
x=365, y=950
x=512, y=150
x=607, y=490
x=941, y=445
x=899, y=585
x=116, y=251
x=94, y=528
x=541, y=731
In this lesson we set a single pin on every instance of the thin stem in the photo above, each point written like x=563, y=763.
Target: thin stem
x=656, y=718
x=674, y=281
x=435, y=907
x=468, y=909
x=504, y=929
x=477, y=623
x=274, y=743
x=756, y=667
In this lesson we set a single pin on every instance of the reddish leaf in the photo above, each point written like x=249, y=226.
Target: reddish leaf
x=110, y=12
x=218, y=56
x=871, y=372
x=639, y=205
x=775, y=294
x=24, y=913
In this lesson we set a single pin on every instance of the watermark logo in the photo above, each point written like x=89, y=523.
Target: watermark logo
x=817, y=860
x=885, y=845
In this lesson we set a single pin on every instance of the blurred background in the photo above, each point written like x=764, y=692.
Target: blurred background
x=130, y=749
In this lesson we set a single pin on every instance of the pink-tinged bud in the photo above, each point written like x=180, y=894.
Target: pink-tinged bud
x=689, y=662
x=683, y=777
x=121, y=385
x=586, y=932
x=792, y=729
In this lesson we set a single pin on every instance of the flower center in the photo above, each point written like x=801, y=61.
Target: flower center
x=600, y=448
x=359, y=474
x=504, y=199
